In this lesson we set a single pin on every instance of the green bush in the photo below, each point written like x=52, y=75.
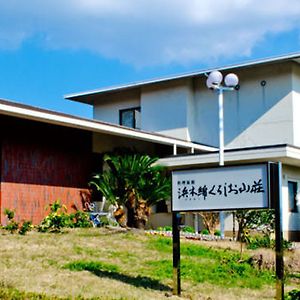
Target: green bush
x=56, y=220
x=188, y=229
x=263, y=241
x=217, y=232
x=293, y=295
x=14, y=226
x=259, y=241
x=25, y=227
x=205, y=231
x=80, y=219
x=10, y=214
x=165, y=228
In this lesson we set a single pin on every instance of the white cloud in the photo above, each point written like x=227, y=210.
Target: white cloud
x=148, y=32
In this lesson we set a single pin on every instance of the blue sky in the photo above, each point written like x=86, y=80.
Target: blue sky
x=51, y=48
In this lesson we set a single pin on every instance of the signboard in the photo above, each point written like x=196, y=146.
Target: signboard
x=223, y=188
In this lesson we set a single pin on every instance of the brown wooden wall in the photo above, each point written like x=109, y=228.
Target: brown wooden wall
x=41, y=163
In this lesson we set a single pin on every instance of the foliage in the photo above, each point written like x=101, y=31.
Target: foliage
x=210, y=220
x=165, y=228
x=217, y=232
x=259, y=241
x=293, y=295
x=205, y=231
x=188, y=229
x=263, y=241
x=80, y=219
x=262, y=220
x=13, y=226
x=132, y=180
x=25, y=227
x=58, y=218
x=10, y=214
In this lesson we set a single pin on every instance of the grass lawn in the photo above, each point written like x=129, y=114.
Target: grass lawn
x=108, y=264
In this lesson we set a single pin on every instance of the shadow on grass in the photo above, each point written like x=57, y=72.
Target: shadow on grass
x=111, y=271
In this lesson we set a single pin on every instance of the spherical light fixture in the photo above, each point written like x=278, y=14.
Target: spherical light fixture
x=231, y=80
x=209, y=83
x=215, y=78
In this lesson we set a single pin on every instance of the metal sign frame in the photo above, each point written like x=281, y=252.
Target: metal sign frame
x=274, y=179
x=267, y=167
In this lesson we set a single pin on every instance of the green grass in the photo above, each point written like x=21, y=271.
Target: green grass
x=101, y=269
x=216, y=266
x=104, y=264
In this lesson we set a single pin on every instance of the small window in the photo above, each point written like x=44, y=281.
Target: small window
x=130, y=117
x=293, y=190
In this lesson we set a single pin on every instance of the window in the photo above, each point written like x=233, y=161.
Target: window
x=293, y=190
x=131, y=117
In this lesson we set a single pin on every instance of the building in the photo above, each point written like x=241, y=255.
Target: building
x=261, y=119
x=48, y=156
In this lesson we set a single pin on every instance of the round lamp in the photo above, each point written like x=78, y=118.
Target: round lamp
x=231, y=80
x=215, y=77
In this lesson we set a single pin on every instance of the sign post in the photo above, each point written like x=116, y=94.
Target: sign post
x=176, y=253
x=277, y=205
x=251, y=186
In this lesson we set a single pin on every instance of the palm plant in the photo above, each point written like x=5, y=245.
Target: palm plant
x=133, y=181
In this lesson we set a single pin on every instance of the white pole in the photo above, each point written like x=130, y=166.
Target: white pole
x=221, y=150
x=174, y=149
x=221, y=127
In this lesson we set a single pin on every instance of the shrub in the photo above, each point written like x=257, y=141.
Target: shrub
x=10, y=214
x=14, y=226
x=56, y=220
x=293, y=295
x=263, y=241
x=205, y=231
x=259, y=241
x=25, y=227
x=188, y=229
x=80, y=219
x=165, y=228
x=217, y=232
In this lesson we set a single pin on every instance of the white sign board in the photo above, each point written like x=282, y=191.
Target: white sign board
x=223, y=188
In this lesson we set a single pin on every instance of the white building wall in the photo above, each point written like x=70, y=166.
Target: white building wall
x=108, y=110
x=164, y=109
x=296, y=104
x=255, y=115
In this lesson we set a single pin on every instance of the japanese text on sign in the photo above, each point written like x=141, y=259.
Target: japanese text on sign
x=188, y=190
x=233, y=187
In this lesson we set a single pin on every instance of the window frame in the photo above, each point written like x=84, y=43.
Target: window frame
x=294, y=208
x=133, y=109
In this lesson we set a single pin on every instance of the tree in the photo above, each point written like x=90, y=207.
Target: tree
x=132, y=180
x=210, y=220
x=255, y=219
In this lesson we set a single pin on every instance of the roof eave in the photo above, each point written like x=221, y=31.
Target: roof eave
x=79, y=97
x=287, y=154
x=27, y=112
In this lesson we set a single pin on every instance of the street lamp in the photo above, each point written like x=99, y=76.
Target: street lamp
x=214, y=82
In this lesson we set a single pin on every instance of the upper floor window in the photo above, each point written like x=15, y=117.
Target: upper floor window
x=131, y=117
x=293, y=191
